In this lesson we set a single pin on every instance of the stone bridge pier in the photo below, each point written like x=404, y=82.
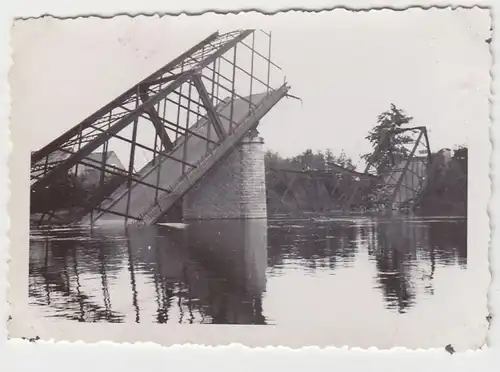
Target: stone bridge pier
x=235, y=189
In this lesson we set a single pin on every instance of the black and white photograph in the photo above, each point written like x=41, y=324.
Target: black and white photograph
x=292, y=179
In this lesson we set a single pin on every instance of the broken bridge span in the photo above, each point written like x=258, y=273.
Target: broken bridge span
x=172, y=129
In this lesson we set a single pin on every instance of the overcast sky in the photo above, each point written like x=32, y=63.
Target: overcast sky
x=346, y=67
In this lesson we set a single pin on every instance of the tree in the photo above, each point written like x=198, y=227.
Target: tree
x=329, y=157
x=305, y=160
x=272, y=159
x=344, y=161
x=386, y=144
x=446, y=190
x=461, y=155
x=318, y=161
x=308, y=160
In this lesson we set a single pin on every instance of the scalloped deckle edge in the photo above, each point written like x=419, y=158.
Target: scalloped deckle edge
x=33, y=331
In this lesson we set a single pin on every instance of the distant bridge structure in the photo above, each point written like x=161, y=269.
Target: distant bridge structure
x=405, y=174
x=399, y=184
x=169, y=130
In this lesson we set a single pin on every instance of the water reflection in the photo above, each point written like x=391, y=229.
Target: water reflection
x=211, y=272
x=217, y=271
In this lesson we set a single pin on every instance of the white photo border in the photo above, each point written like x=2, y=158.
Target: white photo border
x=15, y=352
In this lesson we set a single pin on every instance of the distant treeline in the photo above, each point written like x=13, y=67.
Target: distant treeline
x=319, y=160
x=446, y=191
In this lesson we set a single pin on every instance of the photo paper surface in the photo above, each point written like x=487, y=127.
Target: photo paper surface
x=235, y=178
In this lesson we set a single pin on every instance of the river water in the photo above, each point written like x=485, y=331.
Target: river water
x=266, y=272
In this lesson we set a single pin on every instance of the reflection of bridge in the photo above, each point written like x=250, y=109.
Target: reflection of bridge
x=171, y=129
x=195, y=275
x=157, y=274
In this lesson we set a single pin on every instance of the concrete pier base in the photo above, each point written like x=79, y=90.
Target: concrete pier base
x=235, y=189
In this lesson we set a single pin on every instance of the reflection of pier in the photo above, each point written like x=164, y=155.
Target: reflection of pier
x=222, y=275
x=196, y=275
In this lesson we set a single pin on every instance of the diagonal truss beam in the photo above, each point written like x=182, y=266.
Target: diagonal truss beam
x=155, y=119
x=212, y=114
x=407, y=165
x=160, y=129
x=288, y=188
x=171, y=126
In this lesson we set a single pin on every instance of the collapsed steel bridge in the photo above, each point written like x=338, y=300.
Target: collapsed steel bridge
x=139, y=154
x=402, y=169
x=399, y=183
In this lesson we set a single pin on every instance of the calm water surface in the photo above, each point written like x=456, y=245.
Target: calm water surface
x=249, y=272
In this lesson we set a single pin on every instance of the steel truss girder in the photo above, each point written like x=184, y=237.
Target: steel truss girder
x=128, y=119
x=387, y=137
x=399, y=183
x=77, y=147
